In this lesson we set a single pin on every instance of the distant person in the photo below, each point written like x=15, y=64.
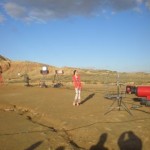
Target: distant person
x=0, y=69
x=26, y=79
x=77, y=85
x=1, y=78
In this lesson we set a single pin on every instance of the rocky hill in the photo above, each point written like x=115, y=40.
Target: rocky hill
x=4, y=63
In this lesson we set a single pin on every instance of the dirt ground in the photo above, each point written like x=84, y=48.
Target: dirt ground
x=34, y=118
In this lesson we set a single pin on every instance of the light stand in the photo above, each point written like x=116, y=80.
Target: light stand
x=44, y=72
x=58, y=83
x=118, y=98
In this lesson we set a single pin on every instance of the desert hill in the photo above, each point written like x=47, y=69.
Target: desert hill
x=4, y=63
x=12, y=70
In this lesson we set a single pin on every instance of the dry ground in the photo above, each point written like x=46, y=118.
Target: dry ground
x=34, y=118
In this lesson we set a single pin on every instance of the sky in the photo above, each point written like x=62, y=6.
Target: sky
x=96, y=34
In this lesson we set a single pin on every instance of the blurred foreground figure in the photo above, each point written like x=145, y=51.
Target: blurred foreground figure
x=77, y=85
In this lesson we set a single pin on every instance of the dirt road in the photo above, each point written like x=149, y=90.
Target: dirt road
x=45, y=119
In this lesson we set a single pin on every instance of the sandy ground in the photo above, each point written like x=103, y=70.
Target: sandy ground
x=34, y=118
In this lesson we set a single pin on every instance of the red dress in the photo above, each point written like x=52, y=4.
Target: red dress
x=76, y=81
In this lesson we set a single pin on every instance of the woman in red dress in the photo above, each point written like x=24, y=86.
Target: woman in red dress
x=77, y=85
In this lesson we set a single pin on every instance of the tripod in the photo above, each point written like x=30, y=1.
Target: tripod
x=44, y=72
x=43, y=82
x=57, y=75
x=118, y=98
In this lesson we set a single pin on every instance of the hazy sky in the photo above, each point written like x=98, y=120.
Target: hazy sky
x=100, y=34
